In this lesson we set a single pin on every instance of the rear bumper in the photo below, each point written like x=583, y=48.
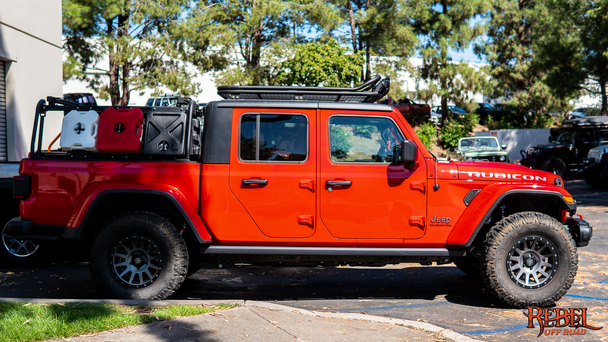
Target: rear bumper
x=26, y=230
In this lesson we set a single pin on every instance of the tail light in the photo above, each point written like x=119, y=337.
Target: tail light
x=22, y=187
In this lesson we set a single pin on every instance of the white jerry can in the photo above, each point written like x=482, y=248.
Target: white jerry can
x=79, y=131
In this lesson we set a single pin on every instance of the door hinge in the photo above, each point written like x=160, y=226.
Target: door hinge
x=308, y=220
x=420, y=186
x=419, y=221
x=308, y=184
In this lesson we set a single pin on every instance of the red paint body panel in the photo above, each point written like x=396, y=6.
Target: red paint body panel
x=276, y=207
x=229, y=222
x=484, y=200
x=57, y=185
x=380, y=202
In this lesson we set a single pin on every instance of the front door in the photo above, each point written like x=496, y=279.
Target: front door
x=273, y=173
x=363, y=194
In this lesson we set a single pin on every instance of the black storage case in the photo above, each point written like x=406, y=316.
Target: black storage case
x=165, y=131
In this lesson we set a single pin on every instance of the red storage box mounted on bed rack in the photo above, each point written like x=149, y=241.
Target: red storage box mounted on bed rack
x=120, y=130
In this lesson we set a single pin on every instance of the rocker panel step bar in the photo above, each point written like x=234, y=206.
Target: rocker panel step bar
x=337, y=251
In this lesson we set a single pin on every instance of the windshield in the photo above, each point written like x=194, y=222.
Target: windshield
x=566, y=137
x=477, y=143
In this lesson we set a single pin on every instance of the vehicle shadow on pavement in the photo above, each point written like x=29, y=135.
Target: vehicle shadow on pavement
x=403, y=281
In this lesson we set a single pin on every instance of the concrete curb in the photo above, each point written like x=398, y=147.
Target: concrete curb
x=403, y=322
x=427, y=327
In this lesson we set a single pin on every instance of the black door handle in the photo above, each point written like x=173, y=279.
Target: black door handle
x=340, y=183
x=254, y=182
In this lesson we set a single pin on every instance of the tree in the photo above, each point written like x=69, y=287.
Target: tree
x=573, y=48
x=136, y=38
x=378, y=28
x=254, y=34
x=315, y=64
x=515, y=28
x=445, y=25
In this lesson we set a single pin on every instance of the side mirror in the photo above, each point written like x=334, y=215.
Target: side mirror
x=504, y=147
x=409, y=154
x=452, y=149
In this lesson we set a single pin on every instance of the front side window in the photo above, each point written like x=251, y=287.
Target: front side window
x=363, y=139
x=273, y=137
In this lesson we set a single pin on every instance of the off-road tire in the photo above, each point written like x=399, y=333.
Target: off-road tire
x=593, y=177
x=554, y=165
x=604, y=175
x=24, y=253
x=470, y=268
x=528, y=227
x=150, y=241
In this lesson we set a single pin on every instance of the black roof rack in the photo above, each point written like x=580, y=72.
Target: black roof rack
x=369, y=92
x=587, y=121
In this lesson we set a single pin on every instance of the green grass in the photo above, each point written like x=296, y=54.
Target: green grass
x=33, y=322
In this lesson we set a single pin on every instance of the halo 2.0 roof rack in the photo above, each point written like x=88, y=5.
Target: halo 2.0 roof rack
x=370, y=91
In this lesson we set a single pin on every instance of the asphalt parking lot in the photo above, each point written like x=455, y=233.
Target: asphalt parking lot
x=441, y=295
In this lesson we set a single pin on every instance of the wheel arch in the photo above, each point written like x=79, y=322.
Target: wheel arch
x=112, y=202
x=518, y=200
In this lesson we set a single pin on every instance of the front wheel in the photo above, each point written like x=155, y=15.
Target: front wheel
x=555, y=165
x=529, y=259
x=139, y=255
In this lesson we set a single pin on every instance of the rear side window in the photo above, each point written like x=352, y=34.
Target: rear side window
x=150, y=103
x=273, y=137
x=363, y=139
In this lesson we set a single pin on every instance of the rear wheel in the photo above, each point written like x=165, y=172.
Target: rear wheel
x=593, y=177
x=555, y=165
x=529, y=259
x=17, y=252
x=604, y=174
x=139, y=255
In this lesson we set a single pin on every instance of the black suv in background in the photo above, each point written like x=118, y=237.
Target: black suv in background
x=568, y=146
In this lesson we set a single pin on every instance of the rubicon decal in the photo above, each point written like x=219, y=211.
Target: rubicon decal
x=496, y=175
x=561, y=321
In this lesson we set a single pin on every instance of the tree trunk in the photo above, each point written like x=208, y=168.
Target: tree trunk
x=353, y=27
x=368, y=64
x=112, y=67
x=604, y=110
x=113, y=86
x=126, y=93
x=444, y=110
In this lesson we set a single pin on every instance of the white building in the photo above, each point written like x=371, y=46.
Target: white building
x=30, y=70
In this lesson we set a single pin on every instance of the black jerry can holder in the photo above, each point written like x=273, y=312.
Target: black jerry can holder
x=165, y=131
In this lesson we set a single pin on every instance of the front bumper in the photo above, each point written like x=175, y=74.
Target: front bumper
x=26, y=230
x=580, y=230
x=529, y=160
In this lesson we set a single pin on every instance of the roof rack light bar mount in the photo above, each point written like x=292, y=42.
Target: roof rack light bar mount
x=371, y=91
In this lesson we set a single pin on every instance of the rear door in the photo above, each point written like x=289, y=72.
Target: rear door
x=273, y=170
x=363, y=194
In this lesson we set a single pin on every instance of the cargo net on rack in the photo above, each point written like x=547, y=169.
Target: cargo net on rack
x=368, y=92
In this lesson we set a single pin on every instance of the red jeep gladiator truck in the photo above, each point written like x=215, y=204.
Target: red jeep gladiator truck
x=288, y=176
